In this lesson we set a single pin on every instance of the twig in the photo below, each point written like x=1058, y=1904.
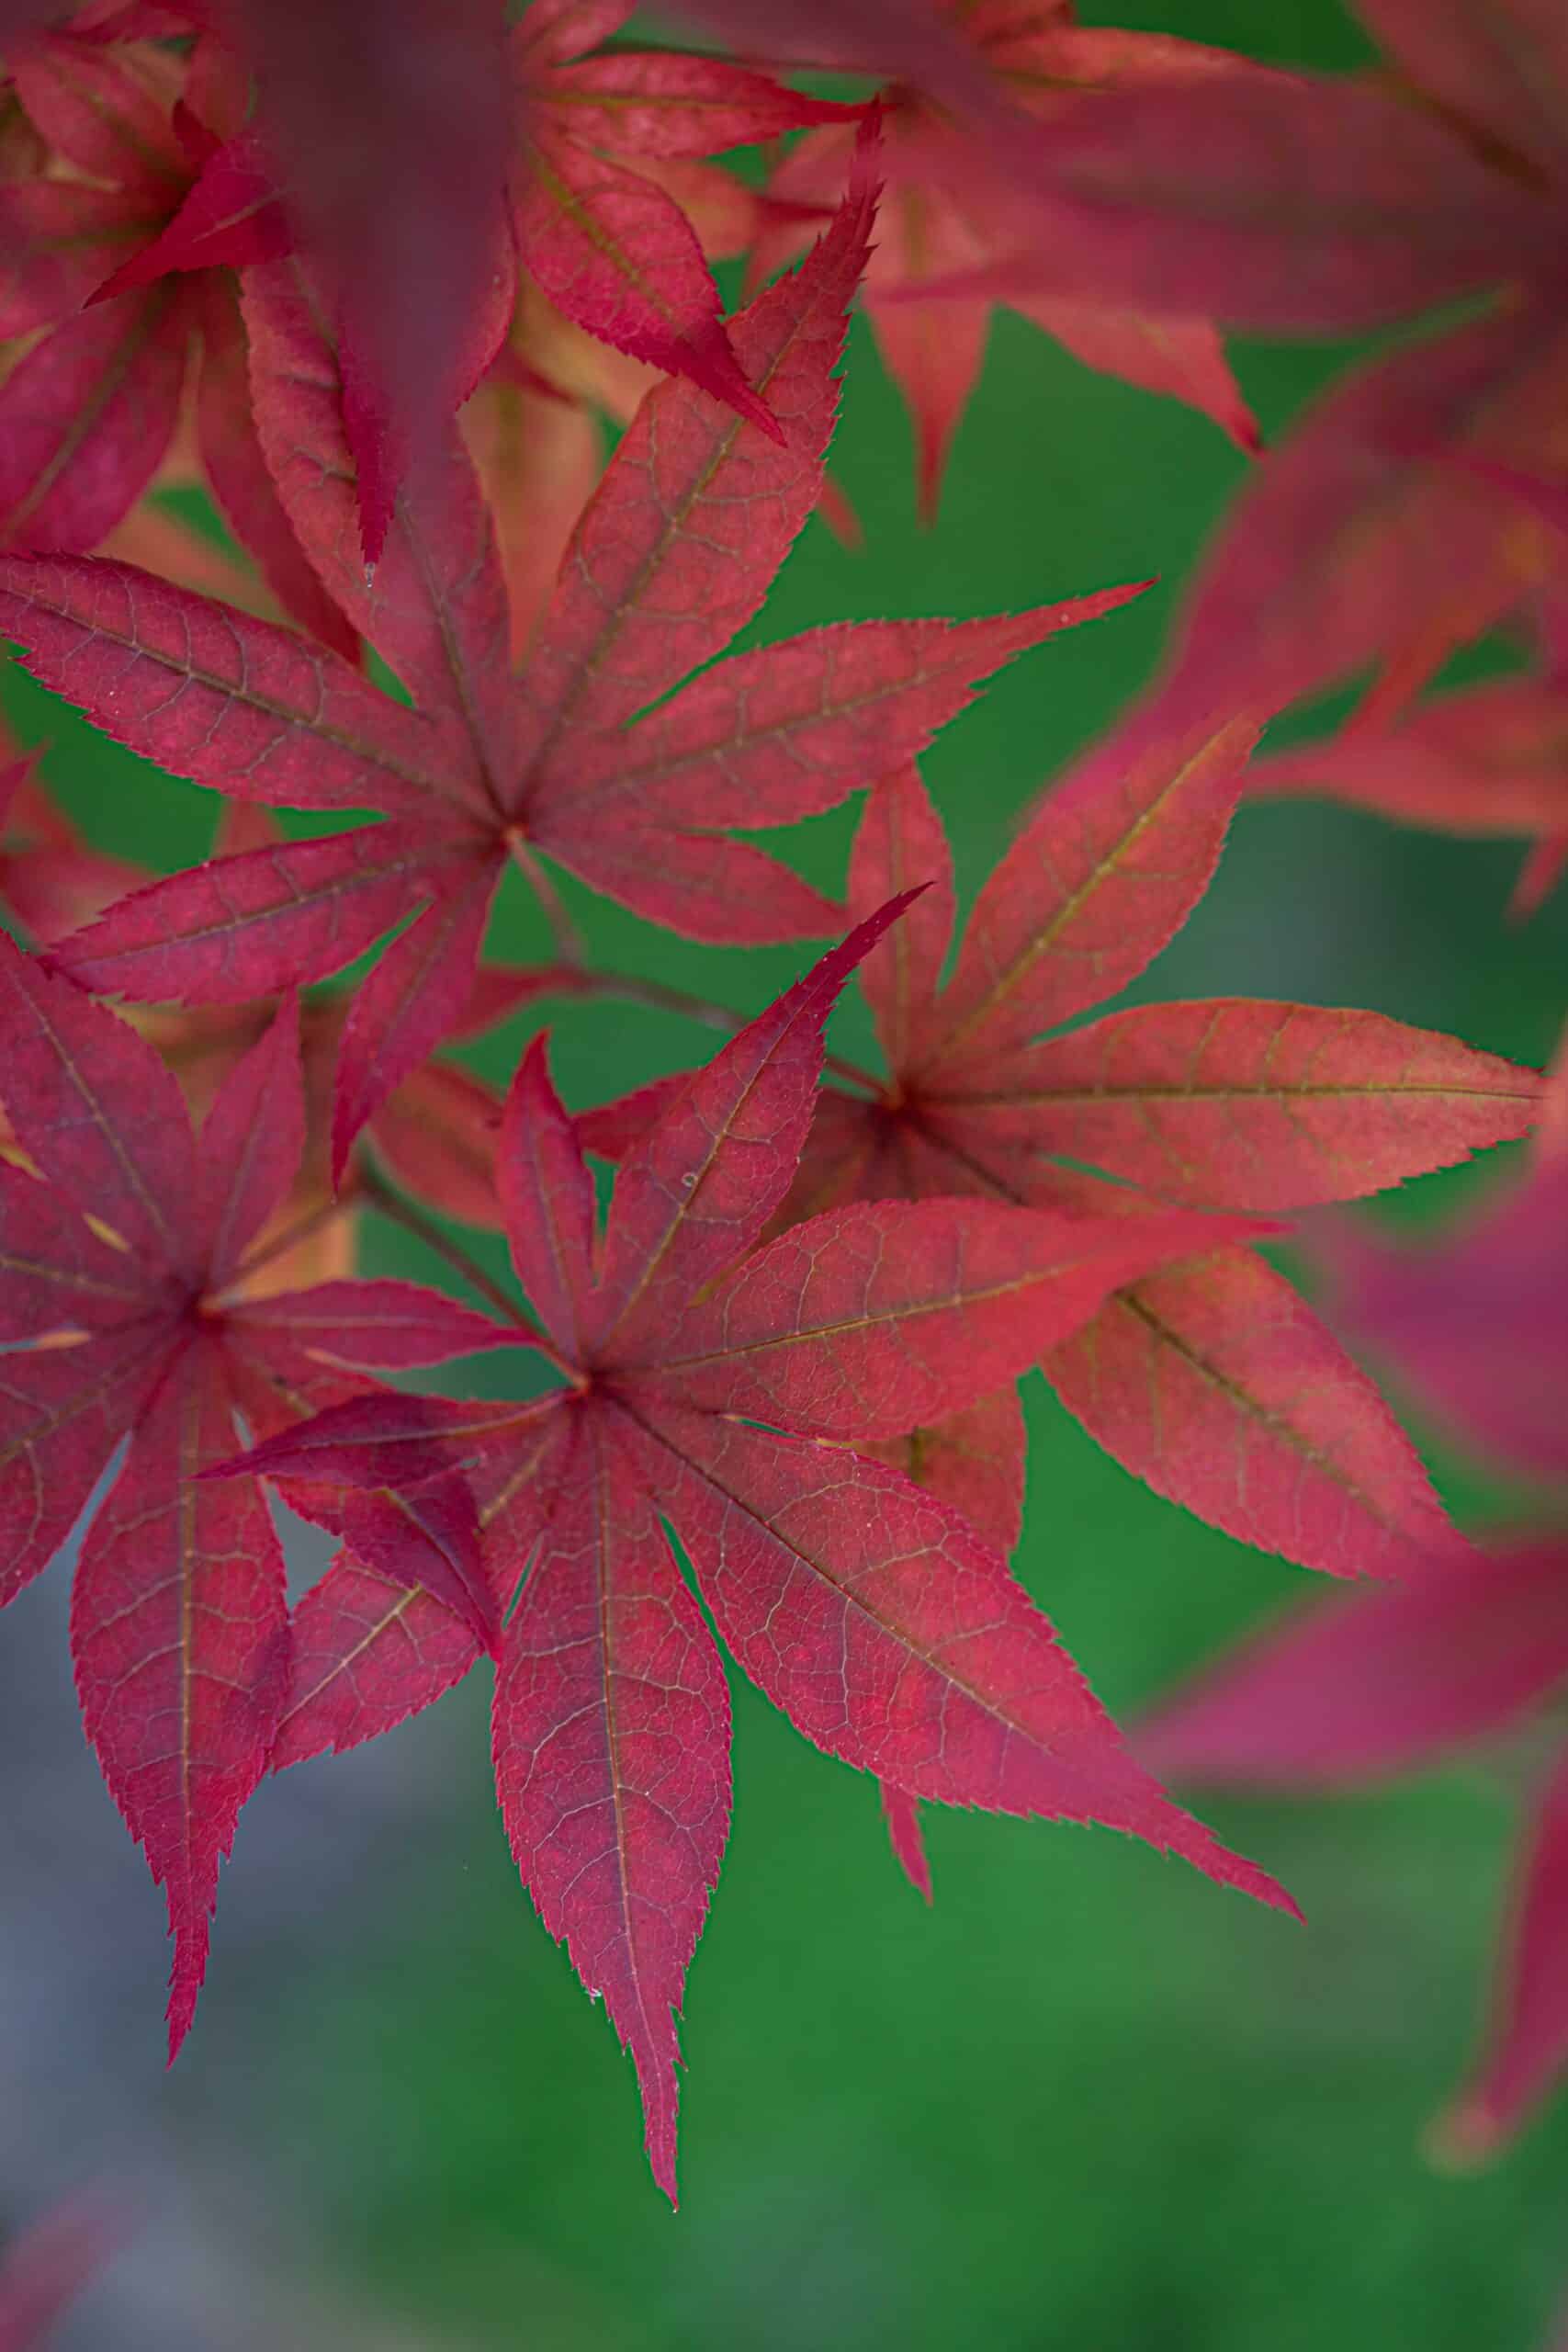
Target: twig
x=314, y=1220
x=568, y=942
x=662, y=998
x=424, y=1229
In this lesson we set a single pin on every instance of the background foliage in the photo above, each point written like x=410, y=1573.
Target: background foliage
x=1087, y=2100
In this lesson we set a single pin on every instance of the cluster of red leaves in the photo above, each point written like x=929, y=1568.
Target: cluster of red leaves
x=138, y=182
x=942, y=216
x=794, y=1340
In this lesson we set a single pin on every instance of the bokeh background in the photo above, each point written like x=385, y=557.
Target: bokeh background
x=1087, y=2101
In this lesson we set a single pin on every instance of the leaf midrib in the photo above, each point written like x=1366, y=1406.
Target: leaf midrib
x=1032, y=1098
x=247, y=698
x=853, y=1600
x=674, y=524
x=956, y=1303
x=1045, y=940
x=151, y=314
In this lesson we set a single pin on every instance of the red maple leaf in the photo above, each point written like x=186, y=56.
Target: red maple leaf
x=45, y=2265
x=1362, y=1689
x=422, y=290
x=721, y=1387
x=1478, y=1324
x=1286, y=201
x=610, y=247
x=945, y=213
x=674, y=554
x=590, y=221
x=395, y=155
x=396, y=151
x=1313, y=203
x=434, y=1133
x=124, y=1256
x=1376, y=536
x=533, y=430
x=393, y=150
x=87, y=414
x=1211, y=1380
x=534, y=425
x=1373, y=540
x=1491, y=758
x=181, y=176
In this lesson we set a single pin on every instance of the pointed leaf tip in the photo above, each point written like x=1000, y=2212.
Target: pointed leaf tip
x=547, y=1200
x=186, y=1980
x=902, y=1813
x=695, y=1191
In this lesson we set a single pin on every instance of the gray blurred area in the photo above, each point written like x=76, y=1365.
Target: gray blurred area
x=211, y=2258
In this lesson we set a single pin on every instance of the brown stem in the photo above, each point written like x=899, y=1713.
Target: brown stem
x=723, y=1017
x=314, y=1220
x=568, y=942
x=424, y=1229
x=662, y=998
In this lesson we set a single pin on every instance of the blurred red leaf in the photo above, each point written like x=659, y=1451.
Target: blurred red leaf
x=1477, y=759
x=1362, y=1687
x=948, y=212
x=45, y=2267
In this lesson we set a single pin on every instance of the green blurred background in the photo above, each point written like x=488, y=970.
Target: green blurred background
x=1087, y=2101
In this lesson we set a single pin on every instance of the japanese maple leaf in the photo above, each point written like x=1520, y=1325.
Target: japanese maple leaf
x=1373, y=541
x=434, y=1133
x=1307, y=202
x=45, y=2265
x=944, y=213
x=392, y=135
x=1377, y=536
x=51, y=878
x=88, y=413
x=719, y=1387
x=535, y=431
x=395, y=149
x=1477, y=759
x=674, y=553
x=534, y=426
x=1475, y=1643
x=123, y=1252
x=1478, y=1324
x=611, y=247
x=1301, y=202
x=1211, y=1380
x=251, y=190
x=1362, y=1688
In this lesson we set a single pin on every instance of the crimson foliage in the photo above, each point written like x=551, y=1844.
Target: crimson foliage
x=377, y=326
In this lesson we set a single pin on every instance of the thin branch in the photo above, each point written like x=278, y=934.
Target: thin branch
x=634, y=990
x=314, y=1220
x=578, y=979
x=568, y=939
x=424, y=1229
